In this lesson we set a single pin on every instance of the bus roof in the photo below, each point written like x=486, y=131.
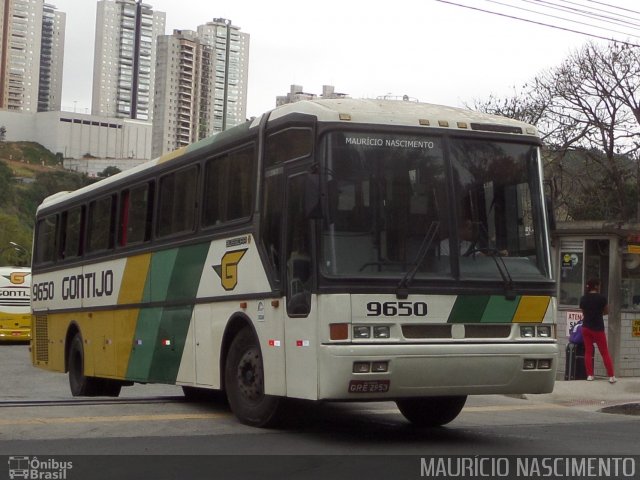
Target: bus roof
x=344, y=110
x=405, y=113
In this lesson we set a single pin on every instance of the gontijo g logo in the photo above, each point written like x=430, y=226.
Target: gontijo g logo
x=228, y=268
x=17, y=278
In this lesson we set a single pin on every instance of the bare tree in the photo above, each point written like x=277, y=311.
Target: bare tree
x=588, y=112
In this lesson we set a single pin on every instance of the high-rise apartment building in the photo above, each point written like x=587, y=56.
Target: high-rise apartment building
x=51, y=56
x=230, y=68
x=201, y=84
x=125, y=59
x=297, y=94
x=183, y=75
x=23, y=78
x=31, y=55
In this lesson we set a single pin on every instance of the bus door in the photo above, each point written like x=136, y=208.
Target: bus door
x=300, y=324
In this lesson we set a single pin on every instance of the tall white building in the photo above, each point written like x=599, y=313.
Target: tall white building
x=230, y=67
x=51, y=59
x=201, y=84
x=125, y=58
x=31, y=55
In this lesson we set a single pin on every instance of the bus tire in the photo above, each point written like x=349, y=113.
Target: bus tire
x=108, y=387
x=431, y=411
x=244, y=382
x=201, y=395
x=81, y=385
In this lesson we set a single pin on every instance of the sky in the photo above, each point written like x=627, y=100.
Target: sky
x=429, y=50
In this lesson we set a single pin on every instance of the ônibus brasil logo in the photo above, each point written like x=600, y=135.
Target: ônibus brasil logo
x=38, y=469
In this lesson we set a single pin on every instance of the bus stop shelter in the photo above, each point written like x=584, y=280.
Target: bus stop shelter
x=609, y=252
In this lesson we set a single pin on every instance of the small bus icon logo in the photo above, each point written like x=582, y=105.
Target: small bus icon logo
x=18, y=467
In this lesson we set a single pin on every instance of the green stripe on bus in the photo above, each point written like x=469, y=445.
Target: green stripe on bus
x=468, y=309
x=144, y=341
x=187, y=271
x=172, y=335
x=161, y=332
x=500, y=310
x=160, y=275
x=174, y=325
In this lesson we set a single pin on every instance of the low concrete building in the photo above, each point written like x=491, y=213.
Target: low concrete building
x=76, y=135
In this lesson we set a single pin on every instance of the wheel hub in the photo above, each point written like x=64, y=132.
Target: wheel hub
x=250, y=376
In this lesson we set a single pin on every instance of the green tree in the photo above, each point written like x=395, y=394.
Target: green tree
x=6, y=184
x=107, y=172
x=11, y=230
x=46, y=184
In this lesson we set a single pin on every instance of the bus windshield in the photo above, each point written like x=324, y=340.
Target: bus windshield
x=472, y=207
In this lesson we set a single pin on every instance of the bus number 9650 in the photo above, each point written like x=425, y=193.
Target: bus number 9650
x=396, y=309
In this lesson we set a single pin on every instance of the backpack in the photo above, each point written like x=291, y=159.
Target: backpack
x=575, y=336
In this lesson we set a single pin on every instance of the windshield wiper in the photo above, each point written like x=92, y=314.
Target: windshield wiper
x=402, y=291
x=494, y=253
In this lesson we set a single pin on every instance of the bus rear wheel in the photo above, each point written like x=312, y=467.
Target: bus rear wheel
x=244, y=383
x=79, y=383
x=431, y=411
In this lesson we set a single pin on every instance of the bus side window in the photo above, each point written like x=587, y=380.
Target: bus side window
x=45, y=247
x=101, y=224
x=135, y=215
x=71, y=238
x=299, y=266
x=177, y=202
x=287, y=145
x=271, y=228
x=228, y=183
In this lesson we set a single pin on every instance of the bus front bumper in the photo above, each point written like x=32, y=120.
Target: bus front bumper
x=421, y=370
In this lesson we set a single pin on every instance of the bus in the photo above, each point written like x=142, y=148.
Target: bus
x=302, y=255
x=15, y=309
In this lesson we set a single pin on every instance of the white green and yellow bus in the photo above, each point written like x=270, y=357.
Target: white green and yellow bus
x=15, y=309
x=311, y=253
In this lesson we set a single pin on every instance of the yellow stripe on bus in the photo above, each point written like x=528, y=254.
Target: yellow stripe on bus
x=134, y=279
x=531, y=309
x=172, y=155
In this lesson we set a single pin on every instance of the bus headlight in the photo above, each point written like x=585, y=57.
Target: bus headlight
x=528, y=331
x=361, y=331
x=381, y=331
x=544, y=364
x=544, y=331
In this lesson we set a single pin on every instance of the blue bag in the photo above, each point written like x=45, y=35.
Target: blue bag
x=575, y=336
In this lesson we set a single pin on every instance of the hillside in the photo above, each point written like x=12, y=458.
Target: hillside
x=28, y=174
x=28, y=158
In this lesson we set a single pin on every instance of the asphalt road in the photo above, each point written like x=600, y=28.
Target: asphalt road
x=38, y=416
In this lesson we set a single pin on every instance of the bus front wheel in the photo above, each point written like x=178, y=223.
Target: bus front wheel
x=431, y=411
x=244, y=383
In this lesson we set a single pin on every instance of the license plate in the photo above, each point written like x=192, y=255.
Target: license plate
x=369, y=386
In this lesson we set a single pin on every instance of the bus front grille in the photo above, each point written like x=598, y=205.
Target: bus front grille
x=42, y=339
x=444, y=331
